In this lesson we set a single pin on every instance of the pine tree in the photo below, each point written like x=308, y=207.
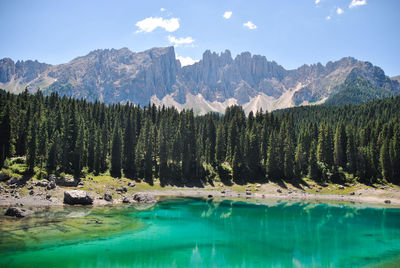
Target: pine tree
x=340, y=146
x=32, y=148
x=351, y=152
x=116, y=149
x=5, y=136
x=272, y=163
x=384, y=160
x=52, y=158
x=313, y=168
x=220, y=151
x=129, y=149
x=163, y=171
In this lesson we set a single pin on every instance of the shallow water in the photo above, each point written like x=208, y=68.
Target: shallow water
x=201, y=233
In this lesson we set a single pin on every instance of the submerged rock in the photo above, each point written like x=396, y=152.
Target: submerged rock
x=77, y=197
x=18, y=212
x=144, y=198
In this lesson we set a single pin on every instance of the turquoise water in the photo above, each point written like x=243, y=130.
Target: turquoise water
x=201, y=233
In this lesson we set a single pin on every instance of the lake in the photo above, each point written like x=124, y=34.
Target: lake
x=189, y=232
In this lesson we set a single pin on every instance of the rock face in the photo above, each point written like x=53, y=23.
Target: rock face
x=77, y=197
x=211, y=84
x=144, y=198
x=18, y=212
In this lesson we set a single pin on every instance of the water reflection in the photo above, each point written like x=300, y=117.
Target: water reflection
x=202, y=233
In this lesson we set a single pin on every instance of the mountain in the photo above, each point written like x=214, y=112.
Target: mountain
x=212, y=84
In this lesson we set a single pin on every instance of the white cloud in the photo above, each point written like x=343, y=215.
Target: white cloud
x=150, y=24
x=317, y=2
x=328, y=17
x=227, y=14
x=186, y=60
x=180, y=41
x=339, y=11
x=162, y=9
x=250, y=25
x=356, y=3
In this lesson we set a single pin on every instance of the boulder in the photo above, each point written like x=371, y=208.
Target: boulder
x=107, y=197
x=18, y=212
x=42, y=183
x=144, y=198
x=126, y=200
x=51, y=185
x=77, y=197
x=352, y=193
x=119, y=189
x=52, y=177
x=279, y=191
x=67, y=181
x=387, y=201
x=341, y=187
x=31, y=192
x=258, y=185
x=209, y=196
x=131, y=184
x=48, y=196
x=124, y=189
x=13, y=180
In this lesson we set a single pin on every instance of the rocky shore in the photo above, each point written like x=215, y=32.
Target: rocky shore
x=59, y=191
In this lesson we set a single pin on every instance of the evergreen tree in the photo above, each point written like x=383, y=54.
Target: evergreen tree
x=116, y=150
x=340, y=146
x=129, y=149
x=5, y=136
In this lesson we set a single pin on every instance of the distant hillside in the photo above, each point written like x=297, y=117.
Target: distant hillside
x=212, y=84
x=356, y=90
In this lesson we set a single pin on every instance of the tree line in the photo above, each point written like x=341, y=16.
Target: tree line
x=60, y=134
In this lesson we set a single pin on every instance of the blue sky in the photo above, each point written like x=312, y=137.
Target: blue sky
x=291, y=33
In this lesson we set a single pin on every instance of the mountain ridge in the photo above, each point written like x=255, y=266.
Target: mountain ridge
x=217, y=80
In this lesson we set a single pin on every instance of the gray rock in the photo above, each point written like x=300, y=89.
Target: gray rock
x=18, y=212
x=124, y=189
x=77, y=197
x=108, y=197
x=131, y=184
x=144, y=198
x=352, y=193
x=42, y=183
x=52, y=178
x=31, y=192
x=51, y=185
x=126, y=200
x=341, y=187
x=13, y=180
x=119, y=189
x=67, y=181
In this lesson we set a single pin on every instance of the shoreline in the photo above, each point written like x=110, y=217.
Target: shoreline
x=224, y=194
